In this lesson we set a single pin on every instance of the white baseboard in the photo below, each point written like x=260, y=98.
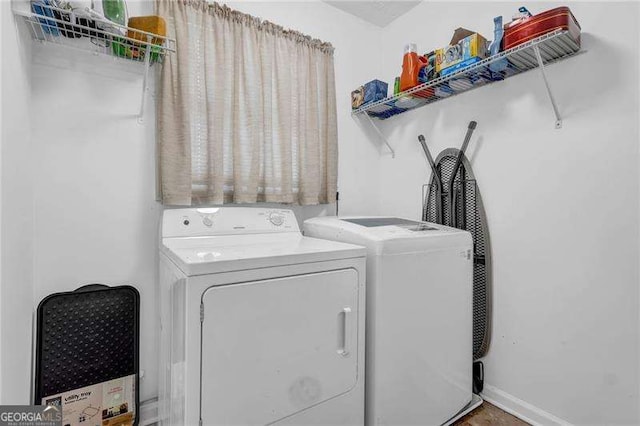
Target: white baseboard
x=519, y=408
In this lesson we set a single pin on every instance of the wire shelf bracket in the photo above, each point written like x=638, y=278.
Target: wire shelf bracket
x=536, y=50
x=381, y=135
x=145, y=79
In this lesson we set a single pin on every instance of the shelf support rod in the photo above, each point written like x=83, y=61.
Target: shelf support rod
x=145, y=78
x=380, y=135
x=536, y=50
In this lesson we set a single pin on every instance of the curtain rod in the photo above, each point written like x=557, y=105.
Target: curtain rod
x=224, y=11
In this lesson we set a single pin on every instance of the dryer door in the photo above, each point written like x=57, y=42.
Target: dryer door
x=276, y=347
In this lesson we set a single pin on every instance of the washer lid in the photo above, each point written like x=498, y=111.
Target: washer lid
x=214, y=254
x=374, y=222
x=387, y=235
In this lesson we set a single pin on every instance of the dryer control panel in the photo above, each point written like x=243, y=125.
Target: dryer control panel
x=198, y=222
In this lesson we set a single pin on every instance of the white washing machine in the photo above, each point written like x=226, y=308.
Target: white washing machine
x=419, y=316
x=259, y=325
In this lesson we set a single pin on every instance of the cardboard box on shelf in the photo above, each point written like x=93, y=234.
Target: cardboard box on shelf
x=357, y=98
x=373, y=91
x=466, y=47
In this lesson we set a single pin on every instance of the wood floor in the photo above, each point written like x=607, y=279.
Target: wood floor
x=489, y=415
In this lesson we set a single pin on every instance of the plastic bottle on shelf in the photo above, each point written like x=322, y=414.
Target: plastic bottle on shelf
x=495, y=47
x=411, y=64
x=115, y=11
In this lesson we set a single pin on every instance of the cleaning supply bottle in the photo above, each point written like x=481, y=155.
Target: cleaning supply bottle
x=496, y=47
x=115, y=11
x=411, y=65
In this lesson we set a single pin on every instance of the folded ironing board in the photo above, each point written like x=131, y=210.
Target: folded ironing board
x=468, y=214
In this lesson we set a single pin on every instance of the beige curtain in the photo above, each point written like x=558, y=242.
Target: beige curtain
x=246, y=111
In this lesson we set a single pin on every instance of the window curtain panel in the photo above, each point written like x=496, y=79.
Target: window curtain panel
x=246, y=111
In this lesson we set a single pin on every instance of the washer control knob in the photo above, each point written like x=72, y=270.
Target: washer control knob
x=276, y=219
x=207, y=221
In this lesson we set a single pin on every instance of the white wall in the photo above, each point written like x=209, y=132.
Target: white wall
x=562, y=205
x=96, y=219
x=16, y=220
x=2, y=90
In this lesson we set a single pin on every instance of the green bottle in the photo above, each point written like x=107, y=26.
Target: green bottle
x=115, y=11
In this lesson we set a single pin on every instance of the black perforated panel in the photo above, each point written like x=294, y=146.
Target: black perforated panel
x=86, y=337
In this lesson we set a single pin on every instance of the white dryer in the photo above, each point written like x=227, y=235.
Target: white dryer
x=259, y=325
x=419, y=316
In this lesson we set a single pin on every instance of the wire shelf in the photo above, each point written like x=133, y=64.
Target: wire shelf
x=553, y=46
x=86, y=31
x=83, y=31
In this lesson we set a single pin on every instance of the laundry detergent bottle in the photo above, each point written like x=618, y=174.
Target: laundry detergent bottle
x=411, y=64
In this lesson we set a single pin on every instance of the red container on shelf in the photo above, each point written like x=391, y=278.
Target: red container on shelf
x=523, y=30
